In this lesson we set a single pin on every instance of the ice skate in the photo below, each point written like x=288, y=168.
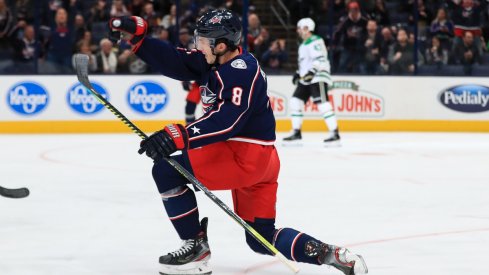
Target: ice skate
x=338, y=257
x=294, y=140
x=192, y=258
x=295, y=136
x=333, y=139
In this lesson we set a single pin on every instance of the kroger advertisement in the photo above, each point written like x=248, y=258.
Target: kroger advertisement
x=64, y=98
x=32, y=99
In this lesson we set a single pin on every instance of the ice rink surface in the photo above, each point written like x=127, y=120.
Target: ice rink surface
x=410, y=203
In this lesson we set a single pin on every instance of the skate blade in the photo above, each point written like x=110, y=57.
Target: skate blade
x=292, y=143
x=332, y=144
x=201, y=268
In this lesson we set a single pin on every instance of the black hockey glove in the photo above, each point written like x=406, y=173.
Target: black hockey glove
x=295, y=78
x=309, y=76
x=133, y=25
x=165, y=142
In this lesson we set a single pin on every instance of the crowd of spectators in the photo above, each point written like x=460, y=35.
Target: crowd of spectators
x=381, y=36
x=363, y=37
x=42, y=36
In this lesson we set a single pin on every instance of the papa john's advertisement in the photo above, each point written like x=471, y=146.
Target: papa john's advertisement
x=347, y=97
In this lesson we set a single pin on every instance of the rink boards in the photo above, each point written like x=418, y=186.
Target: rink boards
x=59, y=104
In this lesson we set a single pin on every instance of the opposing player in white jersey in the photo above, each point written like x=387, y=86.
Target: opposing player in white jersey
x=312, y=79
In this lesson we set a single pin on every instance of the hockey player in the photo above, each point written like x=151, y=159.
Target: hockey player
x=229, y=148
x=312, y=80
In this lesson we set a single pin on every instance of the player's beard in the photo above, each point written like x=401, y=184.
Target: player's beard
x=218, y=54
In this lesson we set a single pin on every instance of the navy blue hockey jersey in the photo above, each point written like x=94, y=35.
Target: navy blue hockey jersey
x=234, y=94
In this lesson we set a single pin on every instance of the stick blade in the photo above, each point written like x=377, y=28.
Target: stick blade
x=14, y=193
x=81, y=65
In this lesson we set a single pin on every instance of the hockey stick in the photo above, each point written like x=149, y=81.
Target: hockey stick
x=18, y=193
x=81, y=64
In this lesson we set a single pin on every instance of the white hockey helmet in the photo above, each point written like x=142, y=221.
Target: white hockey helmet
x=306, y=22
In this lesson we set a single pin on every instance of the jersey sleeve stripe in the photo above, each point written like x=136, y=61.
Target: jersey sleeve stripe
x=254, y=141
x=239, y=117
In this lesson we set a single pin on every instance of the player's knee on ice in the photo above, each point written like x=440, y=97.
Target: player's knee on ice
x=166, y=177
x=266, y=228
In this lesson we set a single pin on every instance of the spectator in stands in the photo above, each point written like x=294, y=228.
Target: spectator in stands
x=24, y=9
x=466, y=53
x=49, y=10
x=401, y=55
x=84, y=48
x=442, y=28
x=375, y=10
x=60, y=42
x=99, y=12
x=170, y=19
x=136, y=7
x=88, y=38
x=25, y=51
x=6, y=24
x=129, y=63
x=163, y=34
x=338, y=7
x=17, y=31
x=380, y=14
x=119, y=9
x=425, y=16
x=152, y=18
x=185, y=39
x=372, y=45
x=276, y=55
x=349, y=41
x=388, y=41
x=76, y=6
x=80, y=27
x=106, y=58
x=467, y=18
x=169, y=22
x=98, y=17
x=436, y=54
x=258, y=36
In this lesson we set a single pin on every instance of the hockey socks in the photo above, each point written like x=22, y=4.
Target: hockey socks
x=181, y=206
x=296, y=107
x=328, y=114
x=292, y=244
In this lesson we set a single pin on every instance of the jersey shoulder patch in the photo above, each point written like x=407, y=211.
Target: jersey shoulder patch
x=239, y=64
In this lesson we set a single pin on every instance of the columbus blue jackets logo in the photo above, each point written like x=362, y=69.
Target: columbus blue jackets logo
x=238, y=64
x=216, y=19
x=466, y=98
x=27, y=98
x=147, y=97
x=208, y=98
x=82, y=101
